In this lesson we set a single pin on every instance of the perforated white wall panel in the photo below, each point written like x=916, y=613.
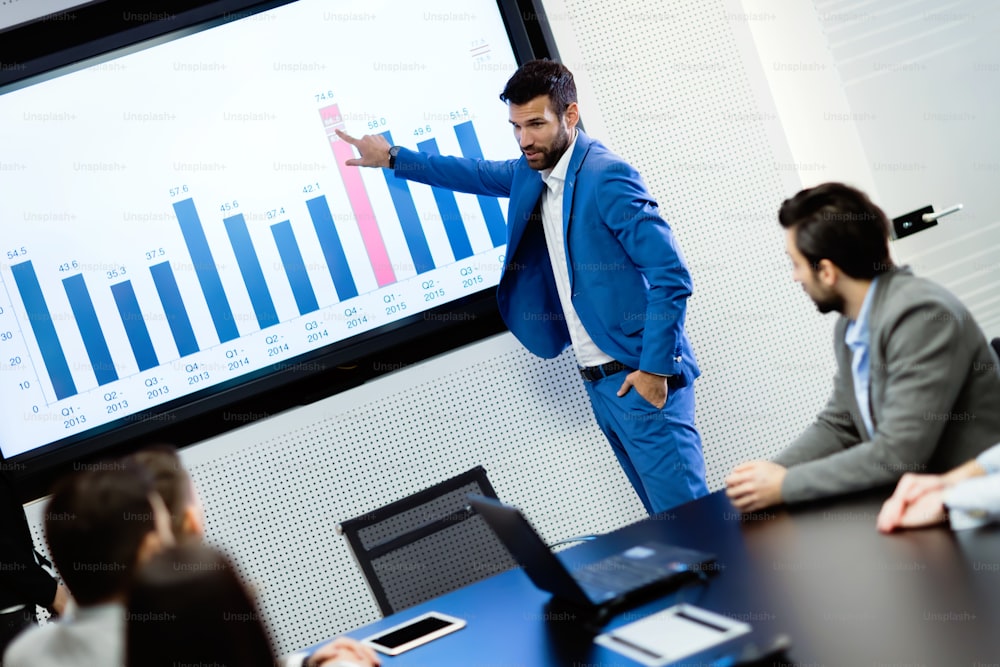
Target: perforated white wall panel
x=275, y=491
x=676, y=89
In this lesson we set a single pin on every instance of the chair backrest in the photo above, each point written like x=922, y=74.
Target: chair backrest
x=426, y=544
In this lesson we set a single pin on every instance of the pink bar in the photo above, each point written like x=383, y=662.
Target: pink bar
x=358, y=197
x=331, y=118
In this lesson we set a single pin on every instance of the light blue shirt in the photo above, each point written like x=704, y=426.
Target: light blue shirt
x=975, y=502
x=858, y=340
x=990, y=460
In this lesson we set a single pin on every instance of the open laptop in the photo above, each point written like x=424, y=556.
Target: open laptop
x=608, y=582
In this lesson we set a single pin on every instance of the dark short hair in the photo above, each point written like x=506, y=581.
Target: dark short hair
x=94, y=525
x=541, y=77
x=837, y=222
x=188, y=607
x=169, y=478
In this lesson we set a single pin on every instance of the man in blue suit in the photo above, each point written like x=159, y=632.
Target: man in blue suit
x=591, y=264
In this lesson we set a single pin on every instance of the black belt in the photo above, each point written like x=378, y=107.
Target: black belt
x=592, y=373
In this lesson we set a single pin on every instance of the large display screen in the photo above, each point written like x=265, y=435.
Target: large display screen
x=177, y=217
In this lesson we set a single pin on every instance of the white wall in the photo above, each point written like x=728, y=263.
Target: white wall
x=899, y=98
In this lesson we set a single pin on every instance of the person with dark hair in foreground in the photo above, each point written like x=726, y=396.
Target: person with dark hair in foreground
x=173, y=483
x=24, y=582
x=100, y=525
x=916, y=388
x=591, y=265
x=188, y=607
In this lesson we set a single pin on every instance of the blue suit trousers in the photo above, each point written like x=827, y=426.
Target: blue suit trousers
x=658, y=448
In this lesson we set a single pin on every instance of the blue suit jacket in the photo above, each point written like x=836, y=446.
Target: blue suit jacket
x=629, y=282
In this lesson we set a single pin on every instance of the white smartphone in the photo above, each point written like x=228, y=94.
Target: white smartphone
x=413, y=633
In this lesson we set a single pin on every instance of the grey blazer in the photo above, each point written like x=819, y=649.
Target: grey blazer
x=934, y=395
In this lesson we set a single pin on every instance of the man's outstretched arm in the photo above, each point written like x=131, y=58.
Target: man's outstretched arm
x=491, y=178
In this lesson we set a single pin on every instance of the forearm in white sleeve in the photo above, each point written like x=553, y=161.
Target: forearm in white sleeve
x=974, y=502
x=990, y=460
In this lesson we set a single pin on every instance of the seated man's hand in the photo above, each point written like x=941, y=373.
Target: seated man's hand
x=346, y=650
x=755, y=485
x=917, y=501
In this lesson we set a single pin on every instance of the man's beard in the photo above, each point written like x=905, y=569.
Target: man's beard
x=552, y=154
x=830, y=303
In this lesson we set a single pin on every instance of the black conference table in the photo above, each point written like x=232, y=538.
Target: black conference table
x=845, y=595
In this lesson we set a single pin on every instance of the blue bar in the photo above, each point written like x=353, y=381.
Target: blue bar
x=208, y=274
x=135, y=325
x=253, y=277
x=413, y=231
x=469, y=144
x=173, y=306
x=45, y=332
x=448, y=207
x=90, y=329
x=333, y=250
x=295, y=268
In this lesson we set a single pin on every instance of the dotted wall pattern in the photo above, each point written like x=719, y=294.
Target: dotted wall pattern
x=274, y=491
x=685, y=109
x=684, y=99
x=35, y=512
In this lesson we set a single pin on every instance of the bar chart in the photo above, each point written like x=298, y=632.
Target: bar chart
x=326, y=305
x=160, y=247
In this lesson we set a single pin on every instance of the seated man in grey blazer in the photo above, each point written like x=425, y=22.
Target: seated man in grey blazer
x=916, y=388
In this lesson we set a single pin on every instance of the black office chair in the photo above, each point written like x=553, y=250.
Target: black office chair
x=426, y=544
x=996, y=346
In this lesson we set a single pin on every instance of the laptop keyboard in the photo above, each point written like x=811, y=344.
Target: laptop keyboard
x=621, y=573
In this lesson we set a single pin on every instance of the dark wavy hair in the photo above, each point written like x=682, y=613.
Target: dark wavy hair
x=541, y=77
x=837, y=222
x=95, y=524
x=171, y=480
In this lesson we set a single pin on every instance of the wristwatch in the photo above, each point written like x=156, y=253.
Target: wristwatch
x=393, y=152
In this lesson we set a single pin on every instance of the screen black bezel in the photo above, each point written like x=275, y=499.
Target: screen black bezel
x=51, y=46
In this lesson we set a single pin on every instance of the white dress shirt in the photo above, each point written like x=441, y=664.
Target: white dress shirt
x=587, y=352
x=975, y=502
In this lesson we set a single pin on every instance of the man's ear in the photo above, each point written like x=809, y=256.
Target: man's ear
x=572, y=114
x=192, y=522
x=151, y=545
x=827, y=272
